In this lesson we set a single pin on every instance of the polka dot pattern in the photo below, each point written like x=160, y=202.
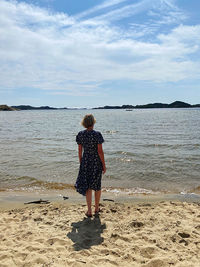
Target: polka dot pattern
x=90, y=171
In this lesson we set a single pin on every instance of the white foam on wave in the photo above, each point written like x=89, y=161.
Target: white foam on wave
x=130, y=191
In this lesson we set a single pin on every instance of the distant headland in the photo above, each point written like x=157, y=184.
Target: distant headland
x=26, y=107
x=176, y=104
x=6, y=108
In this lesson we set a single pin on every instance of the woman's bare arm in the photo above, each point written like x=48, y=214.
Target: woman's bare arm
x=101, y=155
x=80, y=152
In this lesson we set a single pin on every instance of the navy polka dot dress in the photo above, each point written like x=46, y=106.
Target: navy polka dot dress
x=90, y=171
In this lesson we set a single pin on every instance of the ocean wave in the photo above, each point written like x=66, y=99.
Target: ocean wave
x=130, y=191
x=30, y=183
x=195, y=190
x=121, y=152
x=27, y=184
x=170, y=146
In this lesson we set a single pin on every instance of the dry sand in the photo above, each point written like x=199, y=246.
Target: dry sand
x=124, y=234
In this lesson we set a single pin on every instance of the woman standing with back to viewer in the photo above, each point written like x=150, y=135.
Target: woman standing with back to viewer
x=92, y=163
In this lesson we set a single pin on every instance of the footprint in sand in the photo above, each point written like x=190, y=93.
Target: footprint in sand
x=136, y=224
x=156, y=263
x=148, y=252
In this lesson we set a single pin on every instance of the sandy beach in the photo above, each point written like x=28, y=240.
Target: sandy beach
x=158, y=234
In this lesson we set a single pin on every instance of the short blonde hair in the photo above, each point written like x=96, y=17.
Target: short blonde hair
x=88, y=121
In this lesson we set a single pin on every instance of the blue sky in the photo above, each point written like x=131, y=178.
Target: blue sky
x=87, y=53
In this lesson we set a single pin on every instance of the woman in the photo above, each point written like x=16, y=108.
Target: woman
x=92, y=163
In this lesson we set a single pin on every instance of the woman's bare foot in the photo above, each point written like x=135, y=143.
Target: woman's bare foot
x=96, y=211
x=88, y=214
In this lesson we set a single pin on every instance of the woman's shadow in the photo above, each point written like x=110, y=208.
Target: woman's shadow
x=87, y=233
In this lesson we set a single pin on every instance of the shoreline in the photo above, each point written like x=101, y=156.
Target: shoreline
x=16, y=199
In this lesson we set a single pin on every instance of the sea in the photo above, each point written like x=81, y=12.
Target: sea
x=147, y=151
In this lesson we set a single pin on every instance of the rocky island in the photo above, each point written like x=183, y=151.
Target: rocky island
x=27, y=107
x=6, y=108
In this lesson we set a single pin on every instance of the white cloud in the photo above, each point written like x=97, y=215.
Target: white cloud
x=28, y=15
x=105, y=4
x=185, y=34
x=125, y=11
x=55, y=52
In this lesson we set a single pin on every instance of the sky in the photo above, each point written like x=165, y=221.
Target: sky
x=90, y=53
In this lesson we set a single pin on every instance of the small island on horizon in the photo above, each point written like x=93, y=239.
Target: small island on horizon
x=176, y=104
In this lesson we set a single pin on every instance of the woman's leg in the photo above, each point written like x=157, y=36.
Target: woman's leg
x=97, y=199
x=89, y=201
